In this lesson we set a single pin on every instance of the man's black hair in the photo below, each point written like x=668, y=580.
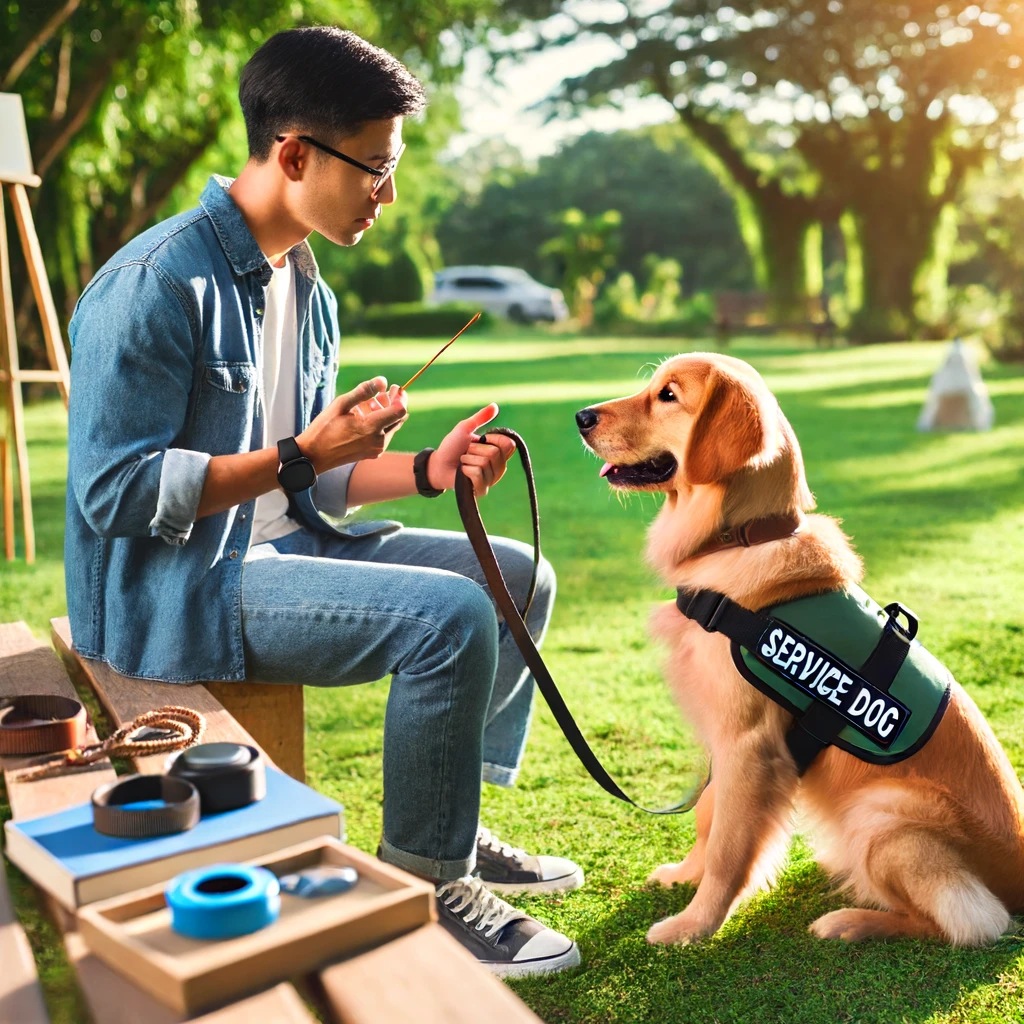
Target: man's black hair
x=322, y=80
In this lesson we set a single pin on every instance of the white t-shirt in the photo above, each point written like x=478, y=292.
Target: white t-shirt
x=279, y=382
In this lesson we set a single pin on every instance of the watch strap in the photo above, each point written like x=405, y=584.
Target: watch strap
x=419, y=472
x=288, y=450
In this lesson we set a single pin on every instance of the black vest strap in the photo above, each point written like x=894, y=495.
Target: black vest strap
x=819, y=725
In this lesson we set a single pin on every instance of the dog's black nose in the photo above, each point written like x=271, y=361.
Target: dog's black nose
x=586, y=420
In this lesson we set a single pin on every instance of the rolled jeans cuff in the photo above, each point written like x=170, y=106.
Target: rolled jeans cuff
x=499, y=775
x=182, y=476
x=445, y=870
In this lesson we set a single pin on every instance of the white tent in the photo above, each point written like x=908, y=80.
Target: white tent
x=957, y=396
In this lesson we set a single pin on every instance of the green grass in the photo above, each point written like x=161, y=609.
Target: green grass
x=938, y=519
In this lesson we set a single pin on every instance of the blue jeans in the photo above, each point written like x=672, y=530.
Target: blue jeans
x=333, y=611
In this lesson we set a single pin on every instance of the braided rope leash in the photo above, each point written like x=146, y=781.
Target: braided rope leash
x=185, y=725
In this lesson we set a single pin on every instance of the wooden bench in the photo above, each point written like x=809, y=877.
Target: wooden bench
x=749, y=312
x=424, y=976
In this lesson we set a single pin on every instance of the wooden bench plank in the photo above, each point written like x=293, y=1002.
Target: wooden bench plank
x=431, y=979
x=123, y=698
x=21, y=997
x=270, y=716
x=28, y=666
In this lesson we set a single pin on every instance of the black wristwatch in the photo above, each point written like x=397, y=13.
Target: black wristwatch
x=295, y=472
x=419, y=472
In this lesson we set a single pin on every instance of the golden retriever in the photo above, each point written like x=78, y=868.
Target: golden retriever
x=933, y=844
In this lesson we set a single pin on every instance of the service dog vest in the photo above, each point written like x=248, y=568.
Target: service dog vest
x=849, y=670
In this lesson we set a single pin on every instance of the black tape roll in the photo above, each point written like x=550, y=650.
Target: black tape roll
x=227, y=775
x=174, y=807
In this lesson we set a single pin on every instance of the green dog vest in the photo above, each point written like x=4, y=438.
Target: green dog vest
x=849, y=671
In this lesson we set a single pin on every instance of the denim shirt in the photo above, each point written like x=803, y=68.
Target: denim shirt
x=166, y=350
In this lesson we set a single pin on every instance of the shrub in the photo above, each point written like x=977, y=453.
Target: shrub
x=416, y=320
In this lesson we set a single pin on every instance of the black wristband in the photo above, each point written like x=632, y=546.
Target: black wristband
x=176, y=810
x=419, y=472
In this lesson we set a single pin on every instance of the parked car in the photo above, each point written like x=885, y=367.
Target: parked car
x=504, y=291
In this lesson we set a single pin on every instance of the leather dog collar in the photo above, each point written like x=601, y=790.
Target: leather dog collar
x=754, y=531
x=40, y=723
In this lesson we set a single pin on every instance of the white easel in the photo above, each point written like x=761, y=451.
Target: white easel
x=15, y=174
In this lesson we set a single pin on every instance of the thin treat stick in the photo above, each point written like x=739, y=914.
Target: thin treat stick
x=452, y=342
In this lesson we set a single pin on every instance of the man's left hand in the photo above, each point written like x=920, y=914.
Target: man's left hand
x=483, y=457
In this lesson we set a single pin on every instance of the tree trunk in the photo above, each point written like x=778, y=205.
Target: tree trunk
x=775, y=225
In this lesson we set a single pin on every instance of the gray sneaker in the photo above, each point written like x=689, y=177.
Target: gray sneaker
x=505, y=940
x=511, y=871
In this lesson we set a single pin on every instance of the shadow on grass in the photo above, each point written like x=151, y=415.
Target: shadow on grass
x=762, y=966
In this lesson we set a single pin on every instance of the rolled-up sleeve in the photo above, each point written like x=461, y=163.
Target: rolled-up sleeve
x=132, y=365
x=330, y=492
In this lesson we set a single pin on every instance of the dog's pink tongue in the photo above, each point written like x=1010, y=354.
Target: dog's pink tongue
x=606, y=469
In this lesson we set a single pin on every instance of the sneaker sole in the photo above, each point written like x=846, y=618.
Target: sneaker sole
x=564, y=884
x=549, y=965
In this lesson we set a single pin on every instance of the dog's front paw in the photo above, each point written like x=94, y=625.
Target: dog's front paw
x=850, y=925
x=672, y=874
x=677, y=931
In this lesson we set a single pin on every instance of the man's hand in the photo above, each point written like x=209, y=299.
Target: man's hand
x=483, y=459
x=355, y=426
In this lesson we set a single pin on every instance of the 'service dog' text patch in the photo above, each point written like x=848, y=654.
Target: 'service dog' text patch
x=821, y=674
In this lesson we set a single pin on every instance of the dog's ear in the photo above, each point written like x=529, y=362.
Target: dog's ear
x=728, y=432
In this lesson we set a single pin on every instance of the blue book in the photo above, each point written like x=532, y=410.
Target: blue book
x=68, y=858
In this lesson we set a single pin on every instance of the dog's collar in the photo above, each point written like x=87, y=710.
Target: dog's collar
x=754, y=531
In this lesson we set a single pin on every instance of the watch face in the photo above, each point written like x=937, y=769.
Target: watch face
x=297, y=476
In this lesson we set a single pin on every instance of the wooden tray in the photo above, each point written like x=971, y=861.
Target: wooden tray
x=133, y=932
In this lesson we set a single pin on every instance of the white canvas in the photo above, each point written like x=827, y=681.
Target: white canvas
x=957, y=396
x=15, y=155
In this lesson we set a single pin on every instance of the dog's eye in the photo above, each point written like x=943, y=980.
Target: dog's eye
x=665, y=395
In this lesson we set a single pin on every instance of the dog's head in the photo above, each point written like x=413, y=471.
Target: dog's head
x=703, y=419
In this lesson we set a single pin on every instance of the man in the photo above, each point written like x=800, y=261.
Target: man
x=211, y=466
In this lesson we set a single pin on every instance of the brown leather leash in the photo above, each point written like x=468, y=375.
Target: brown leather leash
x=185, y=726
x=469, y=510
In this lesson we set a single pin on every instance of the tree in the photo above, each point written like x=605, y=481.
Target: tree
x=584, y=249
x=883, y=107
x=123, y=97
x=628, y=171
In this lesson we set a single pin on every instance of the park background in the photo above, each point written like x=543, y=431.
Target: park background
x=853, y=168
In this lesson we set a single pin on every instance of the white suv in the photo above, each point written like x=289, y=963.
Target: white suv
x=504, y=291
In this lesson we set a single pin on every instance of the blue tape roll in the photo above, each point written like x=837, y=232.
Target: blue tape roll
x=223, y=901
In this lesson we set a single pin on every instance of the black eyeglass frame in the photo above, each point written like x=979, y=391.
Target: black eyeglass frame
x=382, y=174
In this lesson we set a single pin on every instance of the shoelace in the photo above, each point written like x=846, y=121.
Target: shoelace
x=471, y=900
x=486, y=838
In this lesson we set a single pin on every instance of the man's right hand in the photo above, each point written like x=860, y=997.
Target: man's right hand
x=355, y=426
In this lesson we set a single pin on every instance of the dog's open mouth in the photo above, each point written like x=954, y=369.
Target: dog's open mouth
x=641, y=474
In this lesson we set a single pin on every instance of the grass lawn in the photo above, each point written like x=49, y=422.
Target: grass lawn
x=939, y=522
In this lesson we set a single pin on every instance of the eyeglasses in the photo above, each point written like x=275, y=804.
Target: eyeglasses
x=381, y=175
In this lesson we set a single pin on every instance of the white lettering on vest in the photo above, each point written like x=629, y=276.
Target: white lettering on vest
x=873, y=713
x=811, y=666
x=853, y=710
x=841, y=687
x=884, y=727
x=798, y=652
x=771, y=647
x=821, y=687
x=783, y=656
